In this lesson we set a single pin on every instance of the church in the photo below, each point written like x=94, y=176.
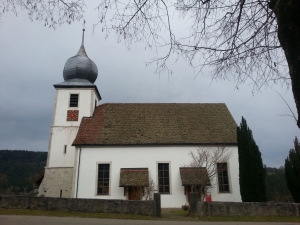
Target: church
x=123, y=150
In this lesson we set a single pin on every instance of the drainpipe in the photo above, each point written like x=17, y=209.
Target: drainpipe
x=78, y=171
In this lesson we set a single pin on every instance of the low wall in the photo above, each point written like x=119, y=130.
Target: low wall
x=147, y=208
x=248, y=209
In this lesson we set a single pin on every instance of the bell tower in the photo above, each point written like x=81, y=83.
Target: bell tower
x=76, y=97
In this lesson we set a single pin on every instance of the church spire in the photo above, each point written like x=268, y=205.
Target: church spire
x=82, y=51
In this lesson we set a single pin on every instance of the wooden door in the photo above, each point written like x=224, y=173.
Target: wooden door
x=134, y=193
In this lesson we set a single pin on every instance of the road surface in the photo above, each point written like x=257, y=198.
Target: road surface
x=46, y=220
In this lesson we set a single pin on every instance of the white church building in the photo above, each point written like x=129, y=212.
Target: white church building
x=116, y=150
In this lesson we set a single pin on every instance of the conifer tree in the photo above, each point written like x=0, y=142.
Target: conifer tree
x=251, y=170
x=292, y=171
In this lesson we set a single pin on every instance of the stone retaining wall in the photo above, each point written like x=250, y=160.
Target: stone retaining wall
x=147, y=208
x=248, y=209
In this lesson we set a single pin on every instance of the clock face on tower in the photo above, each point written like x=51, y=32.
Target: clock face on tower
x=72, y=115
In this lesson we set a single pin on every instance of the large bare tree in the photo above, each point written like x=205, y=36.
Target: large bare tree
x=257, y=40
x=202, y=171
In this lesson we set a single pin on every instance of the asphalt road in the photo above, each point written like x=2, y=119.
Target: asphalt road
x=45, y=220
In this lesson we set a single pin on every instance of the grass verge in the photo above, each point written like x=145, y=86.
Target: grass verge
x=72, y=214
x=167, y=214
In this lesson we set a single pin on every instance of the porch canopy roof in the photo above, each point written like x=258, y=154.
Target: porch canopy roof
x=130, y=177
x=194, y=176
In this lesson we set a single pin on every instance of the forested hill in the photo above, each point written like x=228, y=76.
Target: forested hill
x=276, y=186
x=18, y=170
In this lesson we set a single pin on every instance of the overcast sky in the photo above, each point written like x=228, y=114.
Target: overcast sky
x=32, y=60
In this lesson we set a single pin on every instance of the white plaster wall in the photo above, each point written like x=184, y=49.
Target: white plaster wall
x=85, y=105
x=60, y=137
x=134, y=157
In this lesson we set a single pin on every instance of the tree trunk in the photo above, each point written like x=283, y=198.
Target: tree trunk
x=288, y=19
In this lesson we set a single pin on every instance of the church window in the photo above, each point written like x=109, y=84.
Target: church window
x=74, y=100
x=103, y=179
x=163, y=178
x=223, y=178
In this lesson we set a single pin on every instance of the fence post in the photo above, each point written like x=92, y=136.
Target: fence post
x=157, y=204
x=193, y=203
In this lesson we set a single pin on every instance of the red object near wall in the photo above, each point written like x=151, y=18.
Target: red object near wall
x=208, y=197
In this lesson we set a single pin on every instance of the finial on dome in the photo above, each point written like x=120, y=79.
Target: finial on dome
x=81, y=49
x=80, y=66
x=83, y=29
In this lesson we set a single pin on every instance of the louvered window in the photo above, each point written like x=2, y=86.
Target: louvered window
x=74, y=100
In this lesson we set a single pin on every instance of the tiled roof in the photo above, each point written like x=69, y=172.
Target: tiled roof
x=157, y=124
x=130, y=177
x=193, y=176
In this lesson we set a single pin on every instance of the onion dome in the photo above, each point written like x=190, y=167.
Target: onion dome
x=80, y=66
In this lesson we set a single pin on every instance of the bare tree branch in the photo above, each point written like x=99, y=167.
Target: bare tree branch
x=52, y=13
x=236, y=39
x=293, y=115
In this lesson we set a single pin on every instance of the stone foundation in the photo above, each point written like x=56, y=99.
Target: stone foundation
x=57, y=183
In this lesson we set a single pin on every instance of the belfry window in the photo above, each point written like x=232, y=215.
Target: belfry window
x=73, y=100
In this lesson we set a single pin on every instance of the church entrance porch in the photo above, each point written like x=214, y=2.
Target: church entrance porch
x=194, y=179
x=134, y=180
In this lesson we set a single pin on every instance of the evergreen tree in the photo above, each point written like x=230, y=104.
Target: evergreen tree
x=251, y=171
x=292, y=171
